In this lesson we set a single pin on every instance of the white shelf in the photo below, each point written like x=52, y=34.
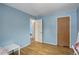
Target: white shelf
x=12, y=47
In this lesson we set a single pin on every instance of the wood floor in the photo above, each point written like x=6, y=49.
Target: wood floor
x=36, y=48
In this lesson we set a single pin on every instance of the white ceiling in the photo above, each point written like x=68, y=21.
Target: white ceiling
x=42, y=9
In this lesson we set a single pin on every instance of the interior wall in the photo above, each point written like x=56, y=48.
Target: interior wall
x=14, y=26
x=49, y=26
x=78, y=19
x=49, y=30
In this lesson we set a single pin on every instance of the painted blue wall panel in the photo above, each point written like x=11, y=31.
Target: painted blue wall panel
x=49, y=26
x=49, y=32
x=15, y=26
x=78, y=19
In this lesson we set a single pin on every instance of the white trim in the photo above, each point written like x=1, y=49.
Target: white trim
x=56, y=32
x=70, y=29
x=31, y=19
x=29, y=32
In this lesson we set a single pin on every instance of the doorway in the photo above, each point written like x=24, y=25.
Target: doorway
x=32, y=30
x=36, y=30
x=63, y=31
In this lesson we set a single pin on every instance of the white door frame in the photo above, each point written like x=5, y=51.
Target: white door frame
x=57, y=31
x=31, y=31
x=30, y=28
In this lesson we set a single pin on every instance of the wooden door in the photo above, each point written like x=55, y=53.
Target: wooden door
x=63, y=31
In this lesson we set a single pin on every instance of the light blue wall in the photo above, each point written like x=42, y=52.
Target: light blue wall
x=14, y=26
x=49, y=26
x=49, y=30
x=78, y=19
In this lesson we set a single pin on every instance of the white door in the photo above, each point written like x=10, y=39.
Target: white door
x=38, y=30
